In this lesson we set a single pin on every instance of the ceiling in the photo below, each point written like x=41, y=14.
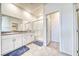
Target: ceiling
x=35, y=9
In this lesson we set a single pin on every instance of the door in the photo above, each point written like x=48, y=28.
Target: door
x=53, y=27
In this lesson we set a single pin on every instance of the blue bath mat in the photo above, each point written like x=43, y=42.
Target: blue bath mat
x=39, y=43
x=18, y=51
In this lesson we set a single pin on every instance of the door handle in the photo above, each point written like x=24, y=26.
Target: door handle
x=77, y=30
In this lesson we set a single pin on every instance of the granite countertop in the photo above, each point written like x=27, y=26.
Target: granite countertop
x=14, y=32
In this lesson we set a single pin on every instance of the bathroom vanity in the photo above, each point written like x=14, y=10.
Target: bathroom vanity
x=13, y=40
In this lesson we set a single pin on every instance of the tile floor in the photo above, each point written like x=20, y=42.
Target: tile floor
x=50, y=50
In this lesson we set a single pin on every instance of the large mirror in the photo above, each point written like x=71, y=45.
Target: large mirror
x=11, y=24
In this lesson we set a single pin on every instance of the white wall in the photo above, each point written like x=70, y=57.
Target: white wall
x=66, y=17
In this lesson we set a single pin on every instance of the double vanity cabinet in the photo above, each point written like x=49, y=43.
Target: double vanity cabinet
x=12, y=41
x=18, y=32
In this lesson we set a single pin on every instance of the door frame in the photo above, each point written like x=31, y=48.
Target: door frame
x=75, y=29
x=77, y=38
x=59, y=28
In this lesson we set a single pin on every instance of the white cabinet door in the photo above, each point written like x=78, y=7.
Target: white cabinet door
x=24, y=39
x=11, y=42
x=18, y=41
x=7, y=44
x=27, y=38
